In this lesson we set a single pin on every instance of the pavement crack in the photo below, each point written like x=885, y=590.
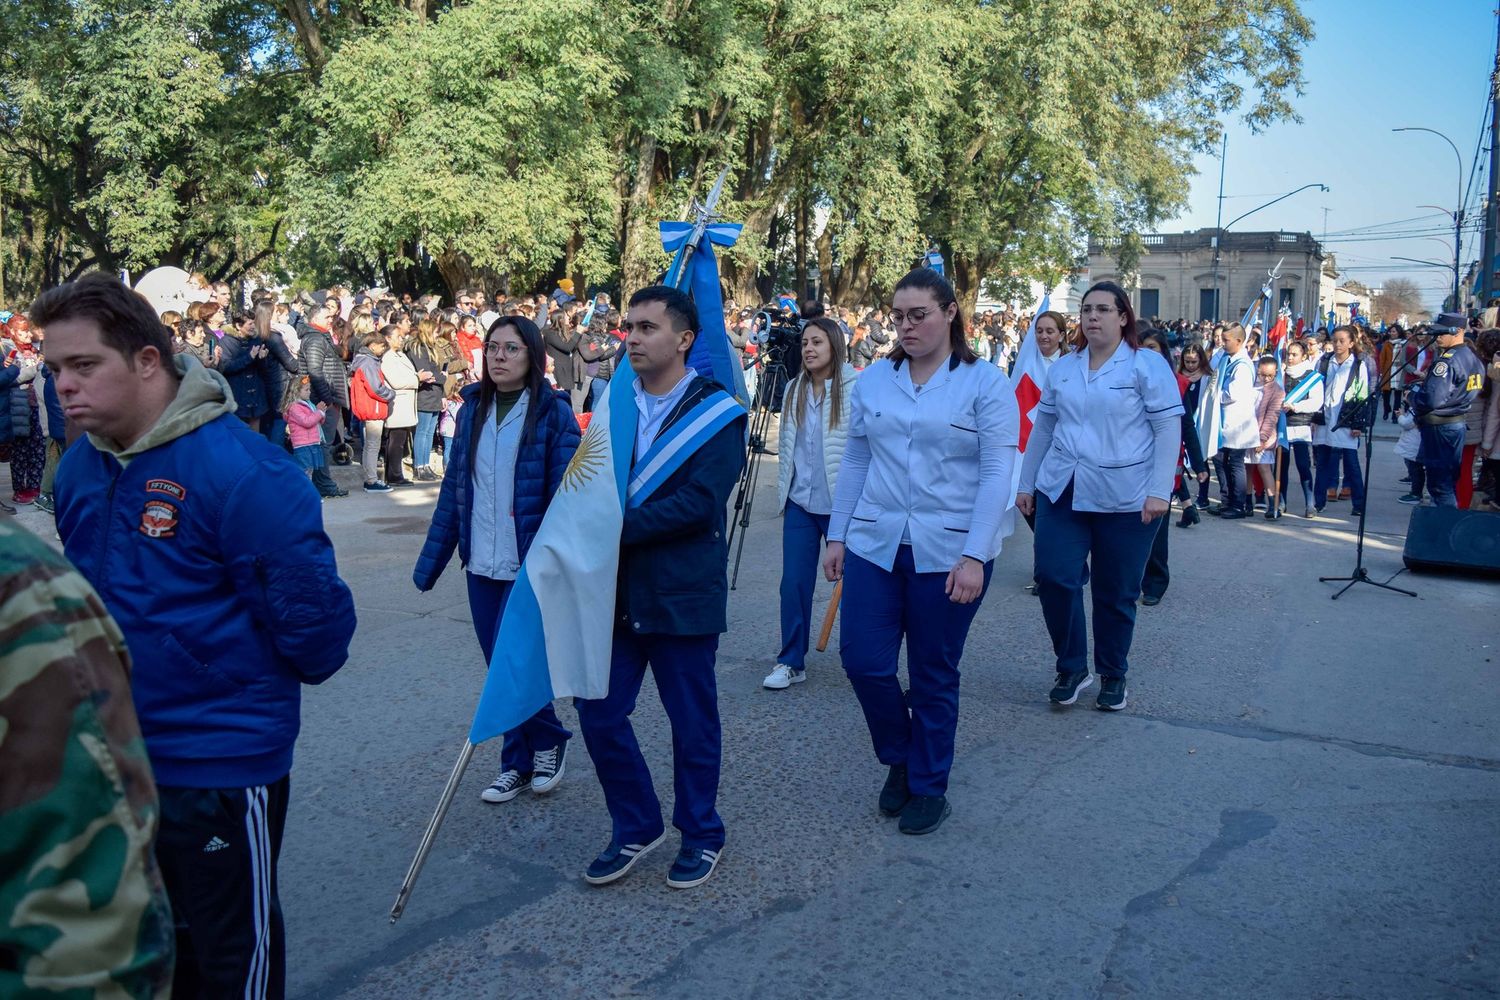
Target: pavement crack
x=1266, y=734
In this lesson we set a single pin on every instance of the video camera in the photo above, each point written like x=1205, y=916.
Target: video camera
x=778, y=330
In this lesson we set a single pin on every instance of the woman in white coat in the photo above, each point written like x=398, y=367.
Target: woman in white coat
x=814, y=430
x=919, y=512
x=401, y=375
x=1098, y=473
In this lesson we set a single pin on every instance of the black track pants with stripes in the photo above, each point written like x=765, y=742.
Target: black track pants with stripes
x=218, y=848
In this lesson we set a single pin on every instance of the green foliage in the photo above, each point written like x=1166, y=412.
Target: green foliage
x=515, y=139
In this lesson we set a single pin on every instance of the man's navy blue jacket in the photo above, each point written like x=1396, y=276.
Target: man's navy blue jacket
x=673, y=549
x=208, y=549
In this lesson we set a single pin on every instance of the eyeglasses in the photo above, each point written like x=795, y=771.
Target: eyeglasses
x=914, y=316
x=495, y=348
x=1097, y=310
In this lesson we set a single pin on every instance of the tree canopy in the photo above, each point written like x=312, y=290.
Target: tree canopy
x=510, y=142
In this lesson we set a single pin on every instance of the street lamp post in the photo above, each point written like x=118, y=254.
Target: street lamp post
x=1219, y=239
x=1458, y=212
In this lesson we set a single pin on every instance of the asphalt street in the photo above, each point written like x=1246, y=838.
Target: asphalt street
x=1301, y=800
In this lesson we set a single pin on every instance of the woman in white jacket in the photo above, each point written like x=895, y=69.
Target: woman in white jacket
x=814, y=428
x=401, y=375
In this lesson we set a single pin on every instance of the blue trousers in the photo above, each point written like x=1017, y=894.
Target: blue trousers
x=1068, y=544
x=1329, y=458
x=542, y=731
x=1441, y=454
x=879, y=609
x=683, y=666
x=802, y=537
x=1235, y=478
x=421, y=442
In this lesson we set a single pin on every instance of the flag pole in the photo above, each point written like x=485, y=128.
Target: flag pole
x=430, y=835
x=678, y=272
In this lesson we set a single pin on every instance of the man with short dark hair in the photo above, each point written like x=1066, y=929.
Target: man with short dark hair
x=206, y=544
x=672, y=596
x=1439, y=403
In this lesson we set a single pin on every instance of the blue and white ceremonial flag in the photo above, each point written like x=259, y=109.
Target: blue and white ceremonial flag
x=555, y=635
x=696, y=272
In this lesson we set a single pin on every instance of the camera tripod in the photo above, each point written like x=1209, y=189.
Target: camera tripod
x=768, y=390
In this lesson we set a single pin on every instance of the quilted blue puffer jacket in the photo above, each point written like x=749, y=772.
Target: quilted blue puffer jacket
x=540, y=464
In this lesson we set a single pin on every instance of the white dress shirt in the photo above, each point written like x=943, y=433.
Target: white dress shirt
x=809, y=487
x=928, y=465
x=494, y=551
x=655, y=410
x=1115, y=433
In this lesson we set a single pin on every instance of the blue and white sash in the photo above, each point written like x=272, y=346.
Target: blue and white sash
x=1312, y=380
x=678, y=442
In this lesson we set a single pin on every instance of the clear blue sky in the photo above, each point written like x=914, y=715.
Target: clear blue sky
x=1374, y=65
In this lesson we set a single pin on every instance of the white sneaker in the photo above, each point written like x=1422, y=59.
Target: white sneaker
x=505, y=788
x=547, y=768
x=783, y=677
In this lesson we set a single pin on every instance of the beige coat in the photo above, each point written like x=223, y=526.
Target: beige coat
x=401, y=375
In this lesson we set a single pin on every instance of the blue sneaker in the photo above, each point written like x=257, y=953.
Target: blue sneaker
x=693, y=867
x=618, y=859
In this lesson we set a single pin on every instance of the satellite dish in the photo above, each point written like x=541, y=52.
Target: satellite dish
x=170, y=288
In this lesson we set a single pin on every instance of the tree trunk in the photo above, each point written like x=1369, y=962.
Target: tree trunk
x=966, y=279
x=800, y=233
x=637, y=267
x=456, y=269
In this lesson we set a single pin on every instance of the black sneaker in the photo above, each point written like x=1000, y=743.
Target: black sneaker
x=692, y=868
x=1111, y=694
x=618, y=859
x=924, y=813
x=895, y=794
x=1065, y=692
x=45, y=501
x=1233, y=515
x=1410, y=499
x=376, y=486
x=547, y=768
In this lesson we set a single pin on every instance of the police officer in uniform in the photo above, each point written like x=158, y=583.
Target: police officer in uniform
x=1439, y=403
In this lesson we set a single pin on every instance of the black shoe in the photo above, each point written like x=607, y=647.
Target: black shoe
x=924, y=813
x=1111, y=694
x=1065, y=692
x=334, y=494
x=1190, y=517
x=1150, y=600
x=1031, y=588
x=45, y=501
x=895, y=794
x=1233, y=515
x=1356, y=512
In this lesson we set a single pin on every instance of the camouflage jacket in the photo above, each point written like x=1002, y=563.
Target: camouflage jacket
x=82, y=909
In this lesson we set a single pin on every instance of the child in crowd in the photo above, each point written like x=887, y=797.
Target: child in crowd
x=452, y=403
x=1407, y=446
x=304, y=423
x=1267, y=409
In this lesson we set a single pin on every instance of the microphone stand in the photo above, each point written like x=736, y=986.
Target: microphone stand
x=1360, y=574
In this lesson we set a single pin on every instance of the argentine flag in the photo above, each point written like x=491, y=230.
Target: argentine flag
x=558, y=625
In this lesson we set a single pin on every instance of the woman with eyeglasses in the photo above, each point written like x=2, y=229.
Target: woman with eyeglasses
x=1097, y=474
x=514, y=438
x=919, y=511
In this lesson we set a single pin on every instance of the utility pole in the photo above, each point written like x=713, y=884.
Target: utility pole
x=1489, y=248
x=1218, y=222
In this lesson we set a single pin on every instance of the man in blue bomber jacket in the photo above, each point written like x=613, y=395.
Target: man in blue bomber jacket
x=206, y=543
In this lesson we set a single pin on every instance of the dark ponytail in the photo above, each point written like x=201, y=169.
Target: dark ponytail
x=937, y=286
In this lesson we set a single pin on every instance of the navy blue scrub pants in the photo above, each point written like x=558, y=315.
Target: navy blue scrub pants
x=1069, y=544
x=1236, y=479
x=802, y=537
x=1328, y=458
x=1441, y=454
x=683, y=666
x=879, y=609
x=542, y=731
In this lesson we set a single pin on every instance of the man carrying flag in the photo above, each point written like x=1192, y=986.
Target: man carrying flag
x=672, y=597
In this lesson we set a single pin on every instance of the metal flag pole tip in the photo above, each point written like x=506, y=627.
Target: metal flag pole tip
x=430, y=835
